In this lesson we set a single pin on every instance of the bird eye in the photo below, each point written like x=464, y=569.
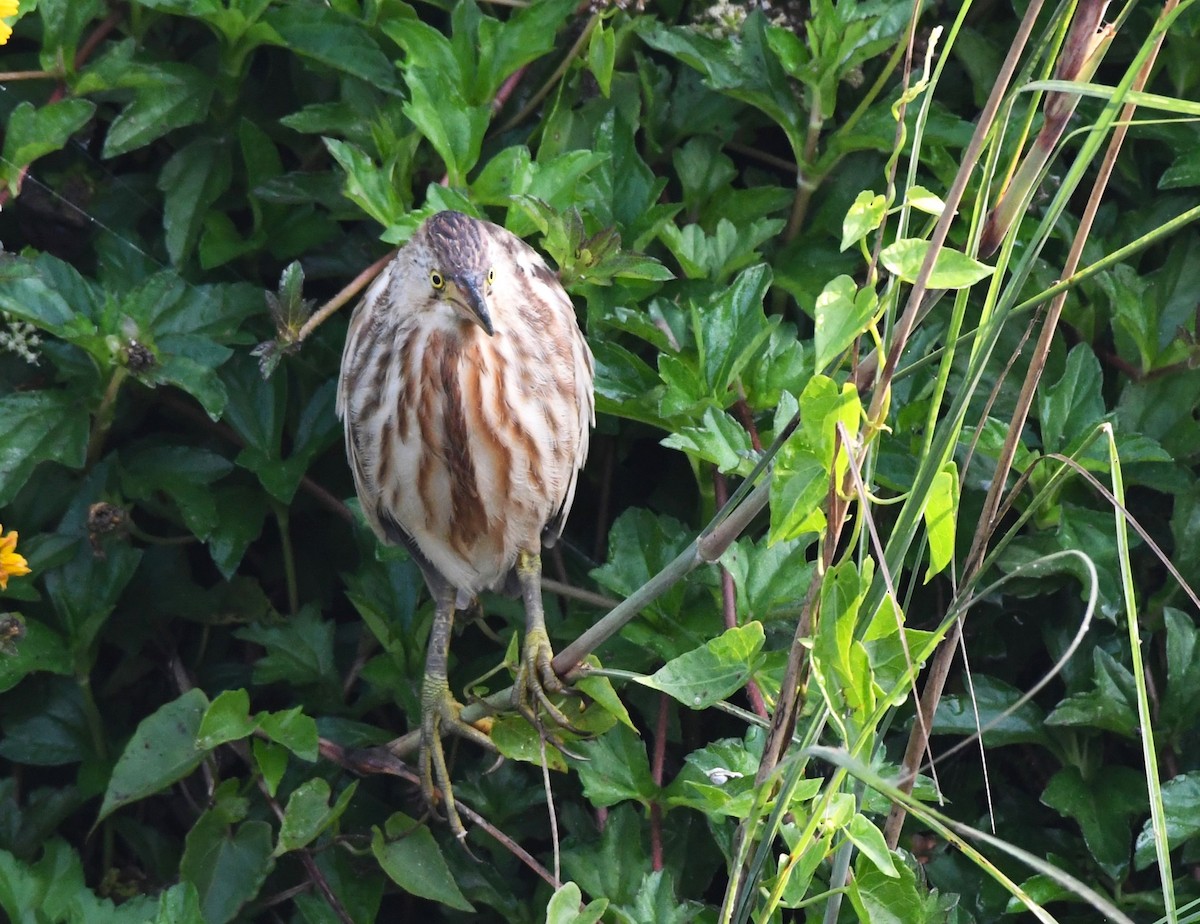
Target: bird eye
x=491, y=276
x=436, y=280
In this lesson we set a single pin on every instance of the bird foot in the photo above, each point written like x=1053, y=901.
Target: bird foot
x=536, y=681
x=440, y=715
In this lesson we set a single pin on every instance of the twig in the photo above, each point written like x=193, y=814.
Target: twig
x=378, y=760
x=544, y=90
x=322, y=314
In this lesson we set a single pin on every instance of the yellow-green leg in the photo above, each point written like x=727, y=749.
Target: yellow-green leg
x=535, y=677
x=440, y=712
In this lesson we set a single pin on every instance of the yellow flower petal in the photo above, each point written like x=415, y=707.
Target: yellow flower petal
x=11, y=564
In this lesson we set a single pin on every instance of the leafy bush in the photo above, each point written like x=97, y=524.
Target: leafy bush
x=843, y=401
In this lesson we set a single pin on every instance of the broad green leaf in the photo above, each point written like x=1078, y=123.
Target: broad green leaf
x=842, y=313
x=769, y=578
x=721, y=441
x=866, y=212
x=227, y=865
x=165, y=97
x=412, y=859
x=870, y=842
x=1109, y=704
x=308, y=813
x=39, y=426
x=454, y=127
x=798, y=487
x=226, y=719
x=951, y=270
x=324, y=34
x=1183, y=673
x=1181, y=808
x=656, y=900
x=40, y=649
x=191, y=181
x=612, y=865
x=161, y=752
x=731, y=327
x=33, y=132
x=1104, y=806
x=941, y=519
x=882, y=899
x=709, y=674
x=271, y=759
x=49, y=729
x=923, y=200
x=1072, y=406
x=958, y=713
x=179, y=904
x=86, y=589
x=563, y=907
x=293, y=729
x=616, y=769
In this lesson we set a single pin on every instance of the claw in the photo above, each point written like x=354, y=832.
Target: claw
x=439, y=717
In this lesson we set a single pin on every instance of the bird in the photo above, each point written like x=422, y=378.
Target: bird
x=466, y=394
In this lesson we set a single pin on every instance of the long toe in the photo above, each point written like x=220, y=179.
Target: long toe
x=441, y=716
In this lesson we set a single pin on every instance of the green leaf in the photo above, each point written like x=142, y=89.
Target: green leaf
x=179, y=904
x=722, y=441
x=454, y=127
x=271, y=760
x=1109, y=704
x=842, y=313
x=323, y=34
x=32, y=132
x=951, y=270
x=615, y=769
x=191, y=181
x=768, y=577
x=1183, y=673
x=1181, y=809
x=86, y=589
x=226, y=719
x=1104, y=806
x=226, y=865
x=601, y=56
x=308, y=813
x=870, y=842
x=293, y=729
x=39, y=426
x=1071, y=407
x=563, y=907
x=882, y=899
x=412, y=859
x=40, y=649
x=299, y=652
x=165, y=97
x=709, y=674
x=864, y=216
x=957, y=714
x=941, y=519
x=161, y=752
x=923, y=200
x=731, y=327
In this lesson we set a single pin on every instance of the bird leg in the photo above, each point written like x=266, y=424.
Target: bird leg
x=440, y=711
x=535, y=676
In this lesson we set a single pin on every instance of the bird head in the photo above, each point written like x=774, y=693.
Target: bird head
x=460, y=268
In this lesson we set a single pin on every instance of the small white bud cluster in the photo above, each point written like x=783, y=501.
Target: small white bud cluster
x=20, y=337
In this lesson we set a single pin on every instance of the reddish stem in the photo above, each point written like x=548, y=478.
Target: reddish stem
x=656, y=773
x=729, y=597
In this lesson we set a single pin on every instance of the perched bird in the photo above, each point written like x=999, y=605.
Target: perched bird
x=466, y=393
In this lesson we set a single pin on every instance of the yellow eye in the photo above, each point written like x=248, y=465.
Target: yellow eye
x=436, y=279
x=491, y=277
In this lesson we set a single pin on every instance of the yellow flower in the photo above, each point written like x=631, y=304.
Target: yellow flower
x=11, y=564
x=7, y=8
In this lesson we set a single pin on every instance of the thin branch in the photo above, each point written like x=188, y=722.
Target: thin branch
x=357, y=284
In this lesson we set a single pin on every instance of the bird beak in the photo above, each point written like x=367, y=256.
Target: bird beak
x=470, y=292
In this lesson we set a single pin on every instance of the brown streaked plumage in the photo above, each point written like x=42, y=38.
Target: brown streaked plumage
x=466, y=393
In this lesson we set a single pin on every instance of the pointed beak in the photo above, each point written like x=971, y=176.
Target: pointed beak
x=469, y=291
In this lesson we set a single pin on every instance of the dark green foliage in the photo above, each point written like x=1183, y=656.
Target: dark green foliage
x=197, y=675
